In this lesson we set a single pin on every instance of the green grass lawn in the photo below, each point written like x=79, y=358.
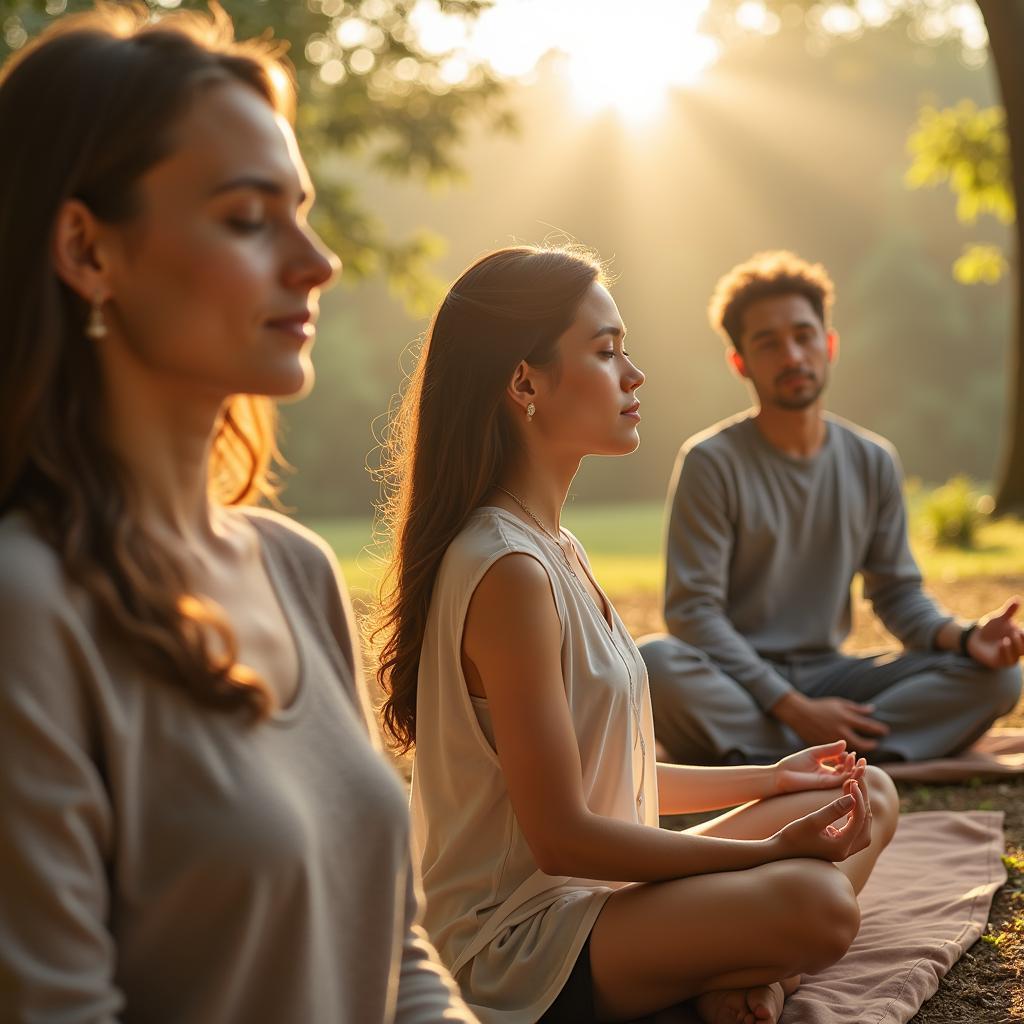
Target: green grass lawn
x=624, y=542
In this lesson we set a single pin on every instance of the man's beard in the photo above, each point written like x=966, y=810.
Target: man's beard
x=801, y=401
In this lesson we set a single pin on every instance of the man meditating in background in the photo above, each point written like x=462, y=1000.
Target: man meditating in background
x=771, y=514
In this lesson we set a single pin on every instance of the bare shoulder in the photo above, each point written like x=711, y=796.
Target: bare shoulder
x=512, y=638
x=515, y=581
x=513, y=600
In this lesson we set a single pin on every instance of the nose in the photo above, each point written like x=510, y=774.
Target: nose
x=793, y=351
x=633, y=378
x=313, y=265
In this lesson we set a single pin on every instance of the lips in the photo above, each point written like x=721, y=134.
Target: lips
x=794, y=377
x=298, y=325
x=632, y=411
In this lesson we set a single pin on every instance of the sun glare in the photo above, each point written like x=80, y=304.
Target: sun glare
x=615, y=56
x=631, y=62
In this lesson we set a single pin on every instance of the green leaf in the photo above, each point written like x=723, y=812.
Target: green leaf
x=980, y=264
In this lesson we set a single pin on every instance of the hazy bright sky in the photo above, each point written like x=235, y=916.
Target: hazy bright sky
x=630, y=56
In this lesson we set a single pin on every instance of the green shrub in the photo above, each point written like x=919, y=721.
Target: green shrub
x=951, y=514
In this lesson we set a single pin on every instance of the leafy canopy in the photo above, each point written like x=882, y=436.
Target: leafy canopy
x=372, y=97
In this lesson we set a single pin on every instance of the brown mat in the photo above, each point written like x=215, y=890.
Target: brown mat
x=926, y=903
x=1000, y=752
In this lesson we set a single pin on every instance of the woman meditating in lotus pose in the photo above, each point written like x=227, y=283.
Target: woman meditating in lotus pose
x=536, y=793
x=195, y=825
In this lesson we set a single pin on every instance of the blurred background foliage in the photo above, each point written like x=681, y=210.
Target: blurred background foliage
x=968, y=150
x=370, y=96
x=796, y=135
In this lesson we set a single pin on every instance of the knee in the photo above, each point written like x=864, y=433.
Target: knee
x=885, y=804
x=994, y=690
x=822, y=906
x=1005, y=686
x=654, y=649
x=668, y=660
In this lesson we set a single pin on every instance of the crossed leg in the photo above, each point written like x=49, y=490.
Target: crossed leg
x=656, y=945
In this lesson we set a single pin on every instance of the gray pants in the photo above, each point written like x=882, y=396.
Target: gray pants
x=935, y=703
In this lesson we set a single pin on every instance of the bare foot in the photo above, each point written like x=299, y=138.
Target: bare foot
x=725, y=1006
x=761, y=1004
x=766, y=1001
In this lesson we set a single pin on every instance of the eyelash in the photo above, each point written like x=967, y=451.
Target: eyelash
x=611, y=352
x=246, y=227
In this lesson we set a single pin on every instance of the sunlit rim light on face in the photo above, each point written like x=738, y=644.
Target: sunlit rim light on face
x=626, y=57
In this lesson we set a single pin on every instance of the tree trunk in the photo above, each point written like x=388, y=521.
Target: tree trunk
x=1004, y=20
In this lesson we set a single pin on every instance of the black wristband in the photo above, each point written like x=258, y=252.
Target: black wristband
x=965, y=635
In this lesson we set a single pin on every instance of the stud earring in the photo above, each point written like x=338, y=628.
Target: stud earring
x=96, y=326
x=530, y=410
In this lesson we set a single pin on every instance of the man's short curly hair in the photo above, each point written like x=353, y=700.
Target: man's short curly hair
x=767, y=274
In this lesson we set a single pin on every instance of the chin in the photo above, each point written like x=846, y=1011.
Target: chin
x=621, y=445
x=298, y=393
x=291, y=382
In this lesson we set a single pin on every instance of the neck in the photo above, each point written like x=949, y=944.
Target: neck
x=542, y=484
x=162, y=434
x=797, y=432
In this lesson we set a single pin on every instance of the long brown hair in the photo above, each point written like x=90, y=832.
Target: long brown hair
x=452, y=435
x=85, y=110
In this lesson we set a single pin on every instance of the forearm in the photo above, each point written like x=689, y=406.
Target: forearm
x=892, y=580
x=948, y=636
x=707, y=628
x=789, y=709
x=910, y=614
x=685, y=789
x=594, y=846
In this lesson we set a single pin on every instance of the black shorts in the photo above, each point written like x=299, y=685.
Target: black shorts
x=575, y=1003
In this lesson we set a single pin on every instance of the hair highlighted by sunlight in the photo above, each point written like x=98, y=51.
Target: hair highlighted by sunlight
x=86, y=109
x=452, y=435
x=765, y=275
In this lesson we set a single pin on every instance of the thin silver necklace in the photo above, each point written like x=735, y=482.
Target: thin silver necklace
x=540, y=526
x=634, y=696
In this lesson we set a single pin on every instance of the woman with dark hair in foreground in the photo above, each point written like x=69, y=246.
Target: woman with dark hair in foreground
x=196, y=826
x=536, y=793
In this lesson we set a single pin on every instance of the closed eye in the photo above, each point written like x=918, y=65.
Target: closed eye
x=246, y=227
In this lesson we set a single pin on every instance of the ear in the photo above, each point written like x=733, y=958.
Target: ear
x=832, y=341
x=521, y=388
x=77, y=252
x=735, y=360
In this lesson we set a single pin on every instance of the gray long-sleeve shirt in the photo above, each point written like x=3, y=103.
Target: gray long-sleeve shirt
x=161, y=861
x=763, y=548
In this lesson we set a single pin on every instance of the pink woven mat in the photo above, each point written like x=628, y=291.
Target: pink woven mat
x=926, y=903
x=1000, y=752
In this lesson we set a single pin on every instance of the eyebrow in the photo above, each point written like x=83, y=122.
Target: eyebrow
x=265, y=185
x=615, y=332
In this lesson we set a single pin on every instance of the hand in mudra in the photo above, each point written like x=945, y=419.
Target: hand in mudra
x=997, y=642
x=833, y=832
x=827, y=766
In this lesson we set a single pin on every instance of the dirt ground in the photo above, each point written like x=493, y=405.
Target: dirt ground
x=987, y=985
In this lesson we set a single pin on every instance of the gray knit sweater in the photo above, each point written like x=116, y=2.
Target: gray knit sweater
x=763, y=548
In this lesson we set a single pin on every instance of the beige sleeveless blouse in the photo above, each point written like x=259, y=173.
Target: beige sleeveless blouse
x=507, y=931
